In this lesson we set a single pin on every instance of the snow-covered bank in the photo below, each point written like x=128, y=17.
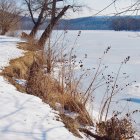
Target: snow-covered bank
x=25, y=116
x=8, y=50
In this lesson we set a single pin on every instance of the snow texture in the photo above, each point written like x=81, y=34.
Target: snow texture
x=22, y=116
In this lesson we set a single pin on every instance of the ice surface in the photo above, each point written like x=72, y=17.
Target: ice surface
x=123, y=44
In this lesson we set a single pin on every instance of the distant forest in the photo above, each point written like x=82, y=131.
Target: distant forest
x=116, y=23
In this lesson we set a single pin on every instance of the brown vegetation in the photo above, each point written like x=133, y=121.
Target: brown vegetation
x=40, y=10
x=18, y=69
x=35, y=67
x=9, y=16
x=41, y=84
x=116, y=128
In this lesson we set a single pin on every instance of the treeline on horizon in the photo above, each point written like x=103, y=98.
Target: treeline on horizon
x=125, y=23
x=117, y=23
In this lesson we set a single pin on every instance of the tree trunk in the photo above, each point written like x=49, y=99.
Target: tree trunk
x=34, y=30
x=46, y=34
x=48, y=30
x=38, y=23
x=4, y=31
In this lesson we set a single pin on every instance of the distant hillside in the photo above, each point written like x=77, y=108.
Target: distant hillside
x=92, y=23
x=88, y=23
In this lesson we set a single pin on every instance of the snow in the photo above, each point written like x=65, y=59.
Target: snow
x=123, y=44
x=21, y=82
x=8, y=50
x=134, y=90
x=25, y=116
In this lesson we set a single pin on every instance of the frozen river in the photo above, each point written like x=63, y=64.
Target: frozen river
x=123, y=44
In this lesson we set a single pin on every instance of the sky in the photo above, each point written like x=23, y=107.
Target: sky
x=92, y=7
x=96, y=5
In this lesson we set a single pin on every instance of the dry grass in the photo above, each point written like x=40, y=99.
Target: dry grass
x=71, y=124
x=30, y=44
x=19, y=69
x=41, y=84
x=116, y=128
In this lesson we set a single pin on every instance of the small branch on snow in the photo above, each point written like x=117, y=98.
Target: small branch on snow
x=92, y=134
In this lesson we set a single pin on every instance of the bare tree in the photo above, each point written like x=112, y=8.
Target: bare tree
x=38, y=10
x=56, y=14
x=9, y=16
x=132, y=9
x=55, y=17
